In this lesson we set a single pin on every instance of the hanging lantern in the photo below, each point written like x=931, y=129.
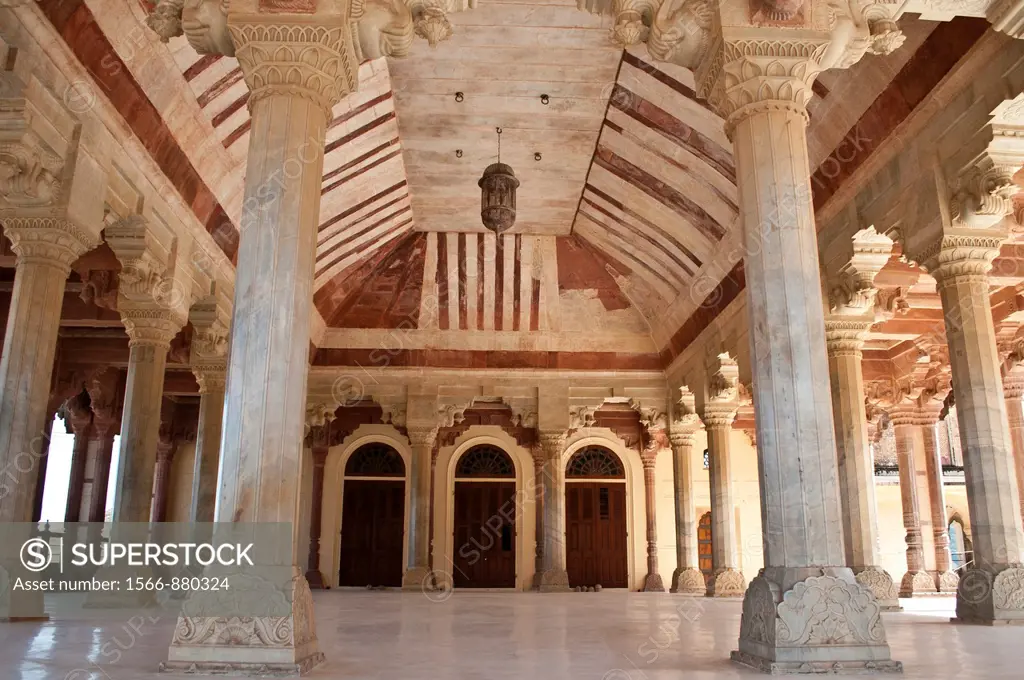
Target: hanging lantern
x=498, y=195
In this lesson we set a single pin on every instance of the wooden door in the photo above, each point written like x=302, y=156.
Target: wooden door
x=704, y=546
x=595, y=534
x=485, y=535
x=372, y=530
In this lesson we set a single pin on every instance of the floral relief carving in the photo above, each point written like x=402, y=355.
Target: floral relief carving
x=1008, y=589
x=825, y=610
x=758, y=621
x=879, y=582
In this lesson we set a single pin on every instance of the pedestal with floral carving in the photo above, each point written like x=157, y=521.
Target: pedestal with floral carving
x=805, y=612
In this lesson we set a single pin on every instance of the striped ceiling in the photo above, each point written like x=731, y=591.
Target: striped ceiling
x=634, y=165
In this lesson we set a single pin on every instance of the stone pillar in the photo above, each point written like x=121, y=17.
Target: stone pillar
x=845, y=340
x=1014, y=394
x=726, y=578
x=295, y=76
x=539, y=482
x=165, y=450
x=906, y=427
x=553, y=577
x=687, y=578
x=945, y=580
x=45, y=249
x=150, y=332
x=207, y=461
x=762, y=86
x=319, y=422
x=994, y=590
x=79, y=418
x=105, y=421
x=209, y=318
x=417, y=574
x=649, y=456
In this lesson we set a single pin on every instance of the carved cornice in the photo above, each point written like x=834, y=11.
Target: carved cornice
x=307, y=58
x=46, y=240
x=165, y=19
x=30, y=171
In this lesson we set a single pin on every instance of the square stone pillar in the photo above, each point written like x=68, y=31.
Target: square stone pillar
x=992, y=592
x=760, y=80
x=297, y=67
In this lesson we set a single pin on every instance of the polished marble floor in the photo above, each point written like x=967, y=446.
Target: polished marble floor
x=476, y=635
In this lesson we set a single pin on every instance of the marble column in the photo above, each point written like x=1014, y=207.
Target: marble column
x=648, y=457
x=103, y=391
x=906, y=427
x=101, y=475
x=726, y=578
x=45, y=249
x=417, y=573
x=1014, y=394
x=994, y=590
x=687, y=577
x=165, y=450
x=945, y=579
x=320, y=446
x=290, y=103
x=150, y=332
x=762, y=88
x=208, y=431
x=553, y=577
x=78, y=416
x=539, y=482
x=845, y=340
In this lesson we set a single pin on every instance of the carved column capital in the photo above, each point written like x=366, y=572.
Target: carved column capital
x=960, y=258
x=150, y=325
x=211, y=379
x=312, y=57
x=743, y=77
x=422, y=437
x=47, y=240
x=552, y=443
x=1013, y=385
x=719, y=414
x=845, y=337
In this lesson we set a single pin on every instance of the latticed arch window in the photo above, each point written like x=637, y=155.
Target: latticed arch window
x=485, y=461
x=595, y=461
x=375, y=460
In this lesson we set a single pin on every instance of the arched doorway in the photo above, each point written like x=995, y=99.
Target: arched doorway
x=372, y=518
x=959, y=545
x=596, y=545
x=485, y=519
x=704, y=546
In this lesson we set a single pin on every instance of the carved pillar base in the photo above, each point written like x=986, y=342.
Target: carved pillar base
x=653, y=584
x=418, y=579
x=881, y=585
x=812, y=620
x=211, y=638
x=726, y=582
x=552, y=581
x=917, y=584
x=947, y=581
x=688, y=582
x=991, y=598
